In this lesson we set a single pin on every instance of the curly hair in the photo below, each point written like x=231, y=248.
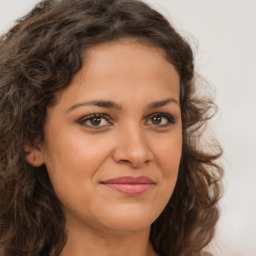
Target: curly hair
x=39, y=56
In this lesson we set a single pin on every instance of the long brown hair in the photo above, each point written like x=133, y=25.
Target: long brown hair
x=38, y=57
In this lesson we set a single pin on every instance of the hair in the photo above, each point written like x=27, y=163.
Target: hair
x=39, y=56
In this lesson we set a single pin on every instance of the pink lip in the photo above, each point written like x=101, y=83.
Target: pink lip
x=130, y=185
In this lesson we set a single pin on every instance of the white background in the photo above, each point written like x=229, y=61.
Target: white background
x=223, y=34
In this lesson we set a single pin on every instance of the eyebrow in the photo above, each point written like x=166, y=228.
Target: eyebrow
x=113, y=105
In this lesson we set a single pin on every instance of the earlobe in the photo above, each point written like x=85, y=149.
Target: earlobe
x=34, y=156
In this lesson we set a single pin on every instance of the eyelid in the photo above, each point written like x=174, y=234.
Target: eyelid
x=84, y=119
x=169, y=117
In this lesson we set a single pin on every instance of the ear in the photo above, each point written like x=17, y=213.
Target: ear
x=34, y=155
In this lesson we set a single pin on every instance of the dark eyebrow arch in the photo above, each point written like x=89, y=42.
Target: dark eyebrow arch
x=111, y=104
x=99, y=103
x=162, y=103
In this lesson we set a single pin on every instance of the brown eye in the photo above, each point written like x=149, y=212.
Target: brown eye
x=161, y=120
x=94, y=121
x=156, y=120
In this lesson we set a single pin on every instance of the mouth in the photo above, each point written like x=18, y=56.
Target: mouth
x=130, y=185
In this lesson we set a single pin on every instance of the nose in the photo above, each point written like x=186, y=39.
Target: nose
x=132, y=148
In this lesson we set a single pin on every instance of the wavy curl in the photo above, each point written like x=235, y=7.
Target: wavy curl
x=39, y=56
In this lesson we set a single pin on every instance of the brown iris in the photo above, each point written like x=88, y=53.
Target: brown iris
x=156, y=119
x=95, y=121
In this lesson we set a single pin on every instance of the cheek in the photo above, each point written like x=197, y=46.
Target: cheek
x=72, y=163
x=75, y=153
x=168, y=155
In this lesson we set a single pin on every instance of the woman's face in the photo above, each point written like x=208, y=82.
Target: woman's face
x=113, y=140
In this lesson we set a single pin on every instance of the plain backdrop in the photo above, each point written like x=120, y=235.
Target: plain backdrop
x=223, y=36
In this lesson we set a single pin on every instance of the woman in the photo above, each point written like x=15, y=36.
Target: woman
x=101, y=135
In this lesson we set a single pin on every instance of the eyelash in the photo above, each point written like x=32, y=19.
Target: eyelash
x=82, y=121
x=169, y=118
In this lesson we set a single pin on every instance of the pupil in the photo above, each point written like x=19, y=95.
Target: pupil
x=96, y=121
x=156, y=120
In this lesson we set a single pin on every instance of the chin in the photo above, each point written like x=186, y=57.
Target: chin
x=127, y=221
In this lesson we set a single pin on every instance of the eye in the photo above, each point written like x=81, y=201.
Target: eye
x=95, y=121
x=161, y=119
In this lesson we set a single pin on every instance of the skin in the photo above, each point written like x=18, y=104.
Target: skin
x=79, y=155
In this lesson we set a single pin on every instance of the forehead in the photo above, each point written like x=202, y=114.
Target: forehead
x=123, y=55
x=121, y=47
x=125, y=65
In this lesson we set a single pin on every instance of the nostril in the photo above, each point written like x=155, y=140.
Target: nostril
x=135, y=164
x=125, y=161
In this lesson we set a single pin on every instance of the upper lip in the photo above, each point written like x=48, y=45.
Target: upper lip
x=129, y=180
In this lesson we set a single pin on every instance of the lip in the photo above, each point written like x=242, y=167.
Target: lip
x=130, y=185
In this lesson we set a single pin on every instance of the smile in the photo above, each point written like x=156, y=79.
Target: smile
x=130, y=185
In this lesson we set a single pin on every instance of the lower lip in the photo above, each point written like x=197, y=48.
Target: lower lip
x=130, y=189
